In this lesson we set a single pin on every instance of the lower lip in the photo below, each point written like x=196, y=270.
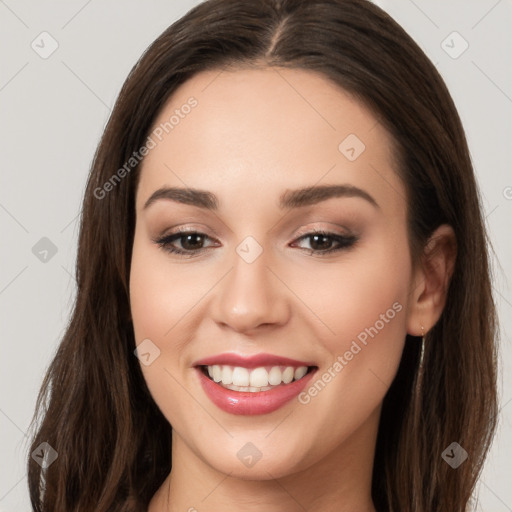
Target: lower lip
x=247, y=403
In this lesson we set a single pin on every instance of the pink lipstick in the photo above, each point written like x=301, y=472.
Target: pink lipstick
x=249, y=385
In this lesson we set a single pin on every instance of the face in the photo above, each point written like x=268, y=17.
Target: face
x=236, y=292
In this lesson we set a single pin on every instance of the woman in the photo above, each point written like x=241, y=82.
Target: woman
x=283, y=297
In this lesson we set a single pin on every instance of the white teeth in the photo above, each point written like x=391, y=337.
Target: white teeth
x=239, y=378
x=217, y=372
x=274, y=376
x=259, y=377
x=288, y=375
x=250, y=389
x=227, y=375
x=300, y=372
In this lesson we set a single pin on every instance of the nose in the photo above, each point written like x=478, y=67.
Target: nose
x=251, y=297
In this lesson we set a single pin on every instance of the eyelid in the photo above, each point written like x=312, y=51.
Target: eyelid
x=194, y=228
x=181, y=231
x=337, y=230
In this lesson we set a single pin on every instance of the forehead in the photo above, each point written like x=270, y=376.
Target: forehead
x=261, y=131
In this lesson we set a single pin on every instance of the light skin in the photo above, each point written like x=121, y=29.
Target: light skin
x=254, y=134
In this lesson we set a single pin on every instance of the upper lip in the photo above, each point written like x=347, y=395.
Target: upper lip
x=250, y=361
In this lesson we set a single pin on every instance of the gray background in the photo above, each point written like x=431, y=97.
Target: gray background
x=53, y=111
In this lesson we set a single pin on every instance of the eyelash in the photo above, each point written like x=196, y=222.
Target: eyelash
x=344, y=242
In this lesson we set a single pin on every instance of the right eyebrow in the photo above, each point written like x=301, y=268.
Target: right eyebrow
x=191, y=196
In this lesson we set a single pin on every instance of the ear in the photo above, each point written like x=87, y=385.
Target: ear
x=431, y=280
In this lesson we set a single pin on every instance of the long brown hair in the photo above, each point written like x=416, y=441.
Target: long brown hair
x=94, y=409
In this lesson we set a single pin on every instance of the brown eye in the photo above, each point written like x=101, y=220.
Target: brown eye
x=192, y=242
x=322, y=243
x=184, y=243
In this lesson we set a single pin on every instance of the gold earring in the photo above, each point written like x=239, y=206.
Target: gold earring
x=422, y=344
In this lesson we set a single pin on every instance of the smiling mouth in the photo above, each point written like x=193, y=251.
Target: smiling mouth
x=254, y=380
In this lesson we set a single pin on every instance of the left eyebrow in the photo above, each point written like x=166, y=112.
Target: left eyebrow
x=297, y=198
x=312, y=195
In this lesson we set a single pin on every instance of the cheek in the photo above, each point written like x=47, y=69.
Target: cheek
x=160, y=294
x=360, y=296
x=159, y=304
x=364, y=305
